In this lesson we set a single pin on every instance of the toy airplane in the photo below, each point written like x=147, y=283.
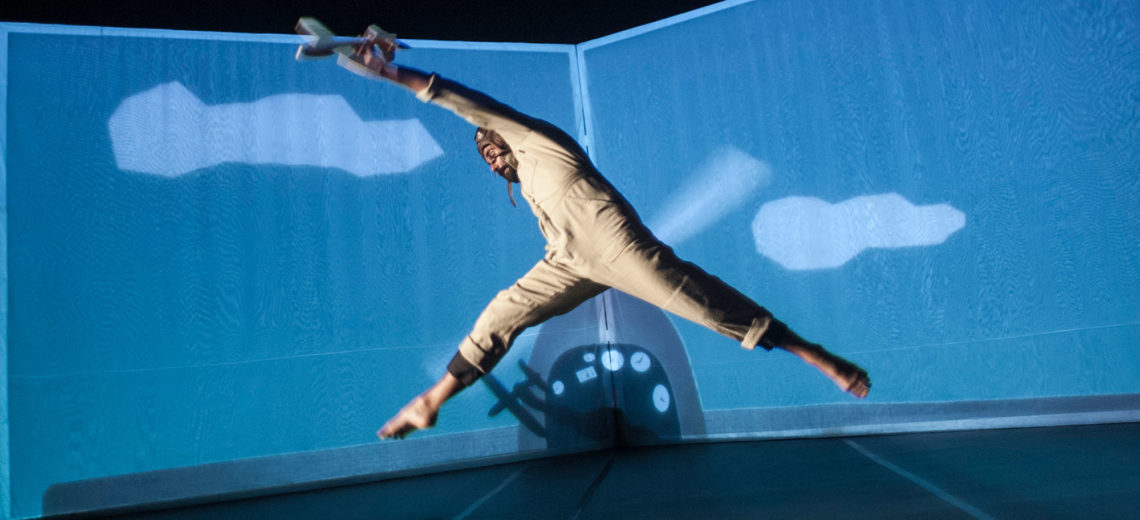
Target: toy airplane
x=323, y=43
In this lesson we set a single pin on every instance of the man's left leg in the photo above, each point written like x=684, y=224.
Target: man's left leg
x=649, y=270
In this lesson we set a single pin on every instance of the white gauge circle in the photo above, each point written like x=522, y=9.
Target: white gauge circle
x=588, y=357
x=639, y=361
x=661, y=398
x=558, y=387
x=613, y=360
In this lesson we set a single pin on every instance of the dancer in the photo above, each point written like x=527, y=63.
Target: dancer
x=595, y=241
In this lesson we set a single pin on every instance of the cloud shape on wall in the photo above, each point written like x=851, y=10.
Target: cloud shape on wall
x=724, y=181
x=808, y=233
x=168, y=131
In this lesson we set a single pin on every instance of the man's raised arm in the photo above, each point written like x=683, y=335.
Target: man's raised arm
x=476, y=107
x=413, y=79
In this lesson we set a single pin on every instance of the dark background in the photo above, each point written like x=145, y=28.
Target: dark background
x=551, y=21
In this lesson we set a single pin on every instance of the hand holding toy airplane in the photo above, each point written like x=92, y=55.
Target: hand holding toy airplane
x=365, y=55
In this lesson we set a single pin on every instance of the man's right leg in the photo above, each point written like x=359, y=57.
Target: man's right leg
x=547, y=290
x=845, y=374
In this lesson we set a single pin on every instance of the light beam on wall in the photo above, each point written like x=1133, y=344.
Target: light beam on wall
x=168, y=131
x=808, y=233
x=724, y=181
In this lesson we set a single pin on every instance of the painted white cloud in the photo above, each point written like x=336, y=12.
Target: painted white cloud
x=168, y=131
x=725, y=180
x=809, y=233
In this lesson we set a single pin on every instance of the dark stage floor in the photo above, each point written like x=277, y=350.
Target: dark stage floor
x=1061, y=472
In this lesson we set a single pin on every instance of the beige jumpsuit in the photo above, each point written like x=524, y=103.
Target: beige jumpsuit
x=595, y=241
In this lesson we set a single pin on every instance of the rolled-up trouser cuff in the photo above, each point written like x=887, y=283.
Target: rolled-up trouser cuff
x=463, y=370
x=766, y=332
x=760, y=325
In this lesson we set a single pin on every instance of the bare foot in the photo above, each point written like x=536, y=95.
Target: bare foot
x=845, y=374
x=859, y=385
x=416, y=415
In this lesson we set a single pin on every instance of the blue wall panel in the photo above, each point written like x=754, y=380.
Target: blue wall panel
x=288, y=292
x=945, y=192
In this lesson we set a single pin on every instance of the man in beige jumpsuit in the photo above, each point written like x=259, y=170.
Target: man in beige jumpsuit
x=595, y=241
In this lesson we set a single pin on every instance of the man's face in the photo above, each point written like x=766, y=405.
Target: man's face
x=493, y=155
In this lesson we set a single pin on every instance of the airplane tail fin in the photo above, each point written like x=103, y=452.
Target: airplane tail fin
x=320, y=38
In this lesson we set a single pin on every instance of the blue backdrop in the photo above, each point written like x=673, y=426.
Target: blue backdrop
x=948, y=193
x=182, y=315
x=216, y=253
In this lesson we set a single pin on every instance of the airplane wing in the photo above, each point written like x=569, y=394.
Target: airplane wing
x=509, y=401
x=320, y=41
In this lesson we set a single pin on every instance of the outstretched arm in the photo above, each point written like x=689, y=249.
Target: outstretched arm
x=412, y=79
x=476, y=107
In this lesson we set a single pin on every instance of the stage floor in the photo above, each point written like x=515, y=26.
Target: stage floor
x=1060, y=472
